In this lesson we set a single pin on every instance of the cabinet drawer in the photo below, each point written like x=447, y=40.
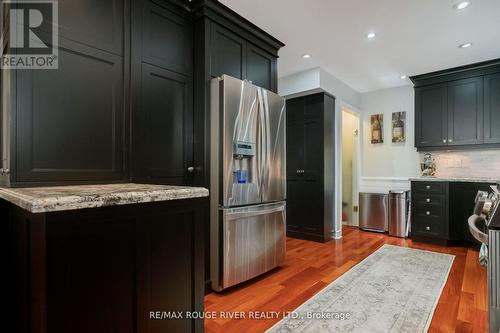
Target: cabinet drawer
x=429, y=200
x=428, y=187
x=427, y=228
x=429, y=212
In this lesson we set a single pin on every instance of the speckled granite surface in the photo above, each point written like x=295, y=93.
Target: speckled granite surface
x=59, y=198
x=464, y=180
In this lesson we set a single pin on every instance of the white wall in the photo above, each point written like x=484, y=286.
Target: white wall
x=388, y=165
x=315, y=80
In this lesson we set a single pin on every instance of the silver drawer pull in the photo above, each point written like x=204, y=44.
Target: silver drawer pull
x=428, y=213
x=428, y=187
x=428, y=200
x=427, y=228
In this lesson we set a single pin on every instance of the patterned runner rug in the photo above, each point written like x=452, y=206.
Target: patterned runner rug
x=395, y=289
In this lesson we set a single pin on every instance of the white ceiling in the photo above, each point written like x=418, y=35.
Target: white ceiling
x=413, y=37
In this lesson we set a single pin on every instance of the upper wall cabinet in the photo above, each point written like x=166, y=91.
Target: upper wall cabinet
x=167, y=39
x=492, y=108
x=228, y=53
x=431, y=123
x=69, y=125
x=261, y=67
x=465, y=111
x=76, y=135
x=99, y=24
x=458, y=108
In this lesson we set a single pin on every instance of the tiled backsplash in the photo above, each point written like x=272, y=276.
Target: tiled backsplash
x=468, y=164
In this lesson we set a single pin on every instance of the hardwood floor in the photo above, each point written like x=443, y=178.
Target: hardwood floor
x=311, y=266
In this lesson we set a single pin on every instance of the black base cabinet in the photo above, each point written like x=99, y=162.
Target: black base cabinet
x=105, y=269
x=440, y=211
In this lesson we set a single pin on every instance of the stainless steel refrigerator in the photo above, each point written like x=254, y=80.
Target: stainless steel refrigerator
x=248, y=182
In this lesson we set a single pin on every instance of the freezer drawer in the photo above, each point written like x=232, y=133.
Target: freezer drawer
x=373, y=212
x=253, y=241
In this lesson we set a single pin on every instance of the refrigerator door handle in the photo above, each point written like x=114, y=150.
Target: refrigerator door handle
x=249, y=212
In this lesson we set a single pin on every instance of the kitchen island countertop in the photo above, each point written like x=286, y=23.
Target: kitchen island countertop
x=61, y=198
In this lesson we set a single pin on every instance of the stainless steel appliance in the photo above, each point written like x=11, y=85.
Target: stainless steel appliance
x=399, y=203
x=248, y=181
x=373, y=212
x=484, y=225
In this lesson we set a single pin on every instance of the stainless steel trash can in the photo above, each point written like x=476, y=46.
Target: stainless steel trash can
x=398, y=213
x=373, y=212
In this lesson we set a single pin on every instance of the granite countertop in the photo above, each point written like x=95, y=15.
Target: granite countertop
x=59, y=198
x=448, y=179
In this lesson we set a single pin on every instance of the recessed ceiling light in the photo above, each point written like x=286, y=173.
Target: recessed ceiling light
x=403, y=77
x=465, y=45
x=371, y=35
x=306, y=56
x=462, y=5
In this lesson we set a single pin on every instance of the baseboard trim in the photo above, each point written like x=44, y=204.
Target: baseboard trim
x=308, y=236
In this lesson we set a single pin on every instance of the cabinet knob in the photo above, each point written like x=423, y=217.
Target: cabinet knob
x=444, y=140
x=427, y=228
x=450, y=140
x=428, y=200
x=190, y=169
x=427, y=213
x=428, y=187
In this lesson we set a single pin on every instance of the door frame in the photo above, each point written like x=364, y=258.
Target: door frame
x=338, y=161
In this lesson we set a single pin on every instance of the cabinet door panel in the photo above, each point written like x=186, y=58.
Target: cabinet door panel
x=76, y=135
x=260, y=67
x=228, y=54
x=465, y=111
x=313, y=163
x=166, y=124
x=84, y=258
x=294, y=138
x=167, y=285
x=492, y=108
x=167, y=39
x=294, y=205
x=431, y=120
x=96, y=23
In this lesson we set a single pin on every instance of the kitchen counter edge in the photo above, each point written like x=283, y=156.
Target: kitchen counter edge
x=63, y=198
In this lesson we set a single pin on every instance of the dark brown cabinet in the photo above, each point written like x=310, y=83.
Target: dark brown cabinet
x=166, y=125
x=261, y=67
x=429, y=211
x=440, y=210
x=461, y=201
x=104, y=269
x=492, y=108
x=455, y=109
x=465, y=112
x=309, y=132
x=233, y=55
x=227, y=53
x=431, y=122
x=69, y=125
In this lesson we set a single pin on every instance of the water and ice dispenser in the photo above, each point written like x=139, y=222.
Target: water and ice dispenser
x=242, y=154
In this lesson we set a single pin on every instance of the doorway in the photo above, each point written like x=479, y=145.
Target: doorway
x=350, y=163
